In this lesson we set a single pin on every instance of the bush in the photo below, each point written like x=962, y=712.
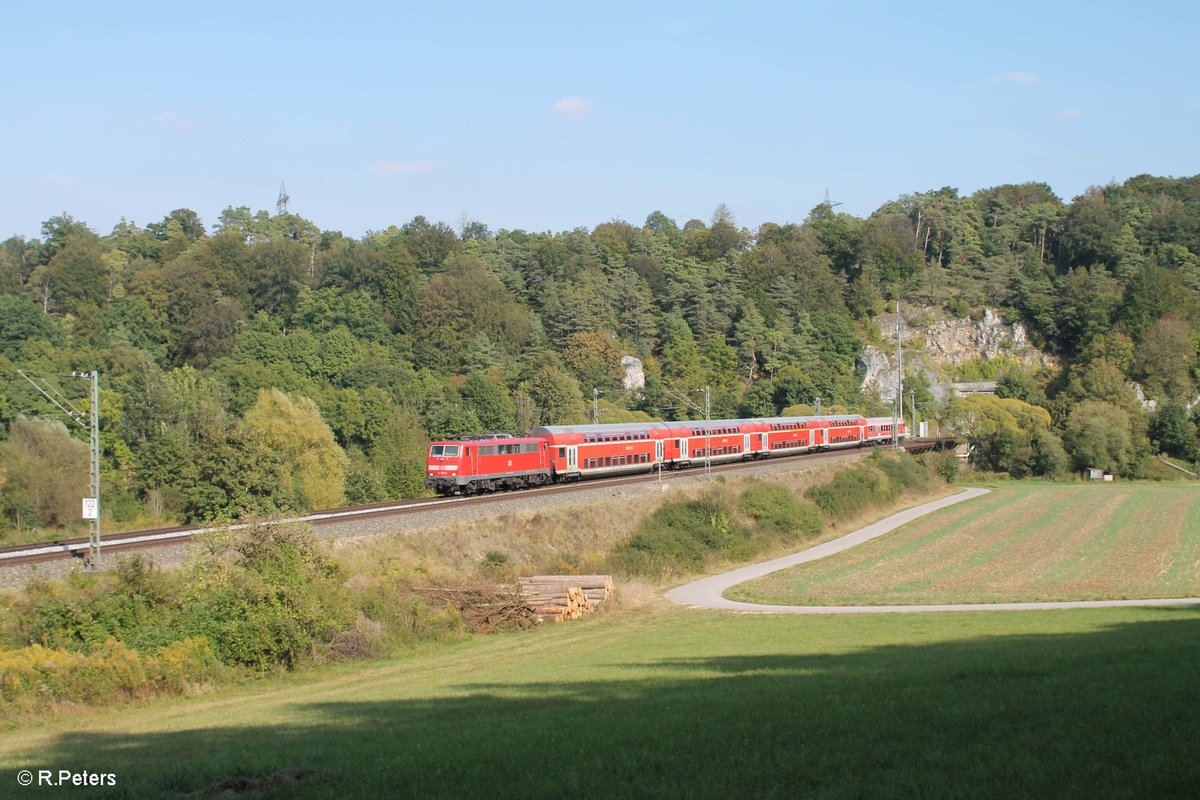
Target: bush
x=400, y=617
x=779, y=514
x=682, y=535
x=904, y=474
x=942, y=464
x=269, y=599
x=263, y=599
x=850, y=492
x=34, y=677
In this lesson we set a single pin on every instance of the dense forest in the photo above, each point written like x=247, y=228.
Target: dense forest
x=262, y=364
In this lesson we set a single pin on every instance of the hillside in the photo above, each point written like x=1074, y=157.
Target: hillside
x=259, y=363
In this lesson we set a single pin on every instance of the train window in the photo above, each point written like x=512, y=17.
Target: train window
x=488, y=450
x=449, y=450
x=608, y=461
x=562, y=452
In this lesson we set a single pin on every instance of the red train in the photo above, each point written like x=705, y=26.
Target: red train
x=561, y=453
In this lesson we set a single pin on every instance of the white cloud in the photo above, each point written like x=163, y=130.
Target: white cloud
x=180, y=122
x=1017, y=77
x=402, y=167
x=1069, y=114
x=56, y=181
x=572, y=109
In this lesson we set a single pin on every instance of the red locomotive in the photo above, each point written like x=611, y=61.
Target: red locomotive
x=561, y=453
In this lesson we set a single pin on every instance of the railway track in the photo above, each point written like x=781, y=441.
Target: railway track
x=26, y=554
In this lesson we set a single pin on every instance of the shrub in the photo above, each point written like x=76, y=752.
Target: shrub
x=904, y=474
x=269, y=598
x=34, y=677
x=399, y=617
x=682, y=535
x=942, y=464
x=779, y=513
x=850, y=492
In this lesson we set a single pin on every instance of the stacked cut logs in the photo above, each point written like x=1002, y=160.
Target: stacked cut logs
x=554, y=598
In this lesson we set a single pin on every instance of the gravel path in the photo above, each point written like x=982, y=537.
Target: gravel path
x=707, y=593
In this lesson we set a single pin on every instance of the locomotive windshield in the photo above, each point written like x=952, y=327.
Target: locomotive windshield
x=444, y=450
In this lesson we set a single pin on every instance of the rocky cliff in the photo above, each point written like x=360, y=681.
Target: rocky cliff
x=934, y=344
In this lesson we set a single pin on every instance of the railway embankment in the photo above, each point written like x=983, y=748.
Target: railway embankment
x=279, y=598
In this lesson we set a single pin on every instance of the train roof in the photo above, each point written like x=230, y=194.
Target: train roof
x=489, y=437
x=615, y=426
x=683, y=423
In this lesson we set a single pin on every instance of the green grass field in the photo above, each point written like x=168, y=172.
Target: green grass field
x=1023, y=542
x=660, y=701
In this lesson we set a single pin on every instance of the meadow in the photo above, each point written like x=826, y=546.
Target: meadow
x=648, y=699
x=660, y=701
x=1023, y=542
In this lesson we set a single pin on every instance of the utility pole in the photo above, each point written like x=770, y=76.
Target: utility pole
x=912, y=395
x=93, y=470
x=898, y=406
x=818, y=407
x=595, y=406
x=91, y=421
x=707, y=435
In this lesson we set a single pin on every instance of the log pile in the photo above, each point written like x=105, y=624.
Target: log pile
x=554, y=598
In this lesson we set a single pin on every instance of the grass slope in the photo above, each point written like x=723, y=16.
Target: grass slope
x=666, y=702
x=1023, y=542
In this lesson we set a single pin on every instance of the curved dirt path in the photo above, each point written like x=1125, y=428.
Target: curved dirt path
x=707, y=593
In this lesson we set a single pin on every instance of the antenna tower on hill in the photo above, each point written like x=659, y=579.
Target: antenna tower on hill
x=830, y=204
x=281, y=203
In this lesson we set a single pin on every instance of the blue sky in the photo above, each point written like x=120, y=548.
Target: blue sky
x=549, y=116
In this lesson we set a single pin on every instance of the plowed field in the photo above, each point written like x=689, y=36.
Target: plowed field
x=1022, y=542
